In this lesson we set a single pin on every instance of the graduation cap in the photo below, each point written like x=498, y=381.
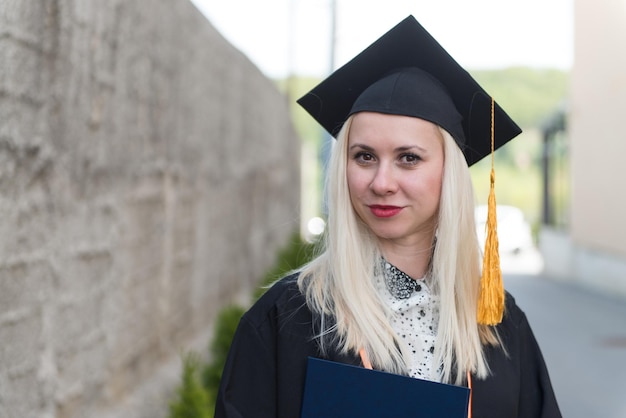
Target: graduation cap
x=407, y=72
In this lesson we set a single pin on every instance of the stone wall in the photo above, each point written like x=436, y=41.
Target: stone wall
x=148, y=174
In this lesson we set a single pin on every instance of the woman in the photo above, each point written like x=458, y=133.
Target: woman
x=397, y=283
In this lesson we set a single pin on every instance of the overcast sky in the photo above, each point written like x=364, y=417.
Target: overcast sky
x=283, y=36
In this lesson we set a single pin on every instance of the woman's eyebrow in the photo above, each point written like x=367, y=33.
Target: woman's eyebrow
x=410, y=147
x=362, y=146
x=402, y=148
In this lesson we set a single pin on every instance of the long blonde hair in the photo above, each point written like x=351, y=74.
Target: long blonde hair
x=339, y=286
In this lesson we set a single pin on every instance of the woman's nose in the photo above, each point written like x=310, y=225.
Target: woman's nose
x=384, y=181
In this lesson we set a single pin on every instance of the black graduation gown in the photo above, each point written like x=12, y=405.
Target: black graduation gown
x=266, y=366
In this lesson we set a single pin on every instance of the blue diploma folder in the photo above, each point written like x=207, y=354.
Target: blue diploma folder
x=336, y=390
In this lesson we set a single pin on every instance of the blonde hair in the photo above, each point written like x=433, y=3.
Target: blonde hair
x=339, y=283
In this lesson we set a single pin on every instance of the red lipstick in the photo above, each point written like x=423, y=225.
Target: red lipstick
x=383, y=211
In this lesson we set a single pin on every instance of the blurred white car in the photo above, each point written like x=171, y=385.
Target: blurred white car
x=514, y=233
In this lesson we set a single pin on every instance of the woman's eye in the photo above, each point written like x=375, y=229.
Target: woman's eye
x=363, y=157
x=409, y=158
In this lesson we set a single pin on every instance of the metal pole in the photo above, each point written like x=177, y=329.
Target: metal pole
x=333, y=34
x=327, y=140
x=545, y=159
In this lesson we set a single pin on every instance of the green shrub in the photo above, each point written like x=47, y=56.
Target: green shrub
x=192, y=400
x=295, y=254
x=225, y=327
x=196, y=395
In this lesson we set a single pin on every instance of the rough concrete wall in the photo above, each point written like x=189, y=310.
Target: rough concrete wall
x=148, y=173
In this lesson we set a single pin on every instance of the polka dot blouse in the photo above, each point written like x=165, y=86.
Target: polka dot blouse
x=415, y=317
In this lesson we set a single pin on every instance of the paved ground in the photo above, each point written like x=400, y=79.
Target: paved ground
x=583, y=338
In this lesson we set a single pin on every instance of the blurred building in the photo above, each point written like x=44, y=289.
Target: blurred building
x=592, y=248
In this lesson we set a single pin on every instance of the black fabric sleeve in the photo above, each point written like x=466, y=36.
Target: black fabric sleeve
x=518, y=385
x=248, y=388
x=266, y=366
x=537, y=399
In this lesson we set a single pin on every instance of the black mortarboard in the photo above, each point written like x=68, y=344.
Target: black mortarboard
x=407, y=72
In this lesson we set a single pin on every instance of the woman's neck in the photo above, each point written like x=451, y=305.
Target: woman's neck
x=413, y=259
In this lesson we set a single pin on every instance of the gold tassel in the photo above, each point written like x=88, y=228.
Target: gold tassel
x=491, y=299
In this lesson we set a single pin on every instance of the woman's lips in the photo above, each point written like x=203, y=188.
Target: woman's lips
x=382, y=211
